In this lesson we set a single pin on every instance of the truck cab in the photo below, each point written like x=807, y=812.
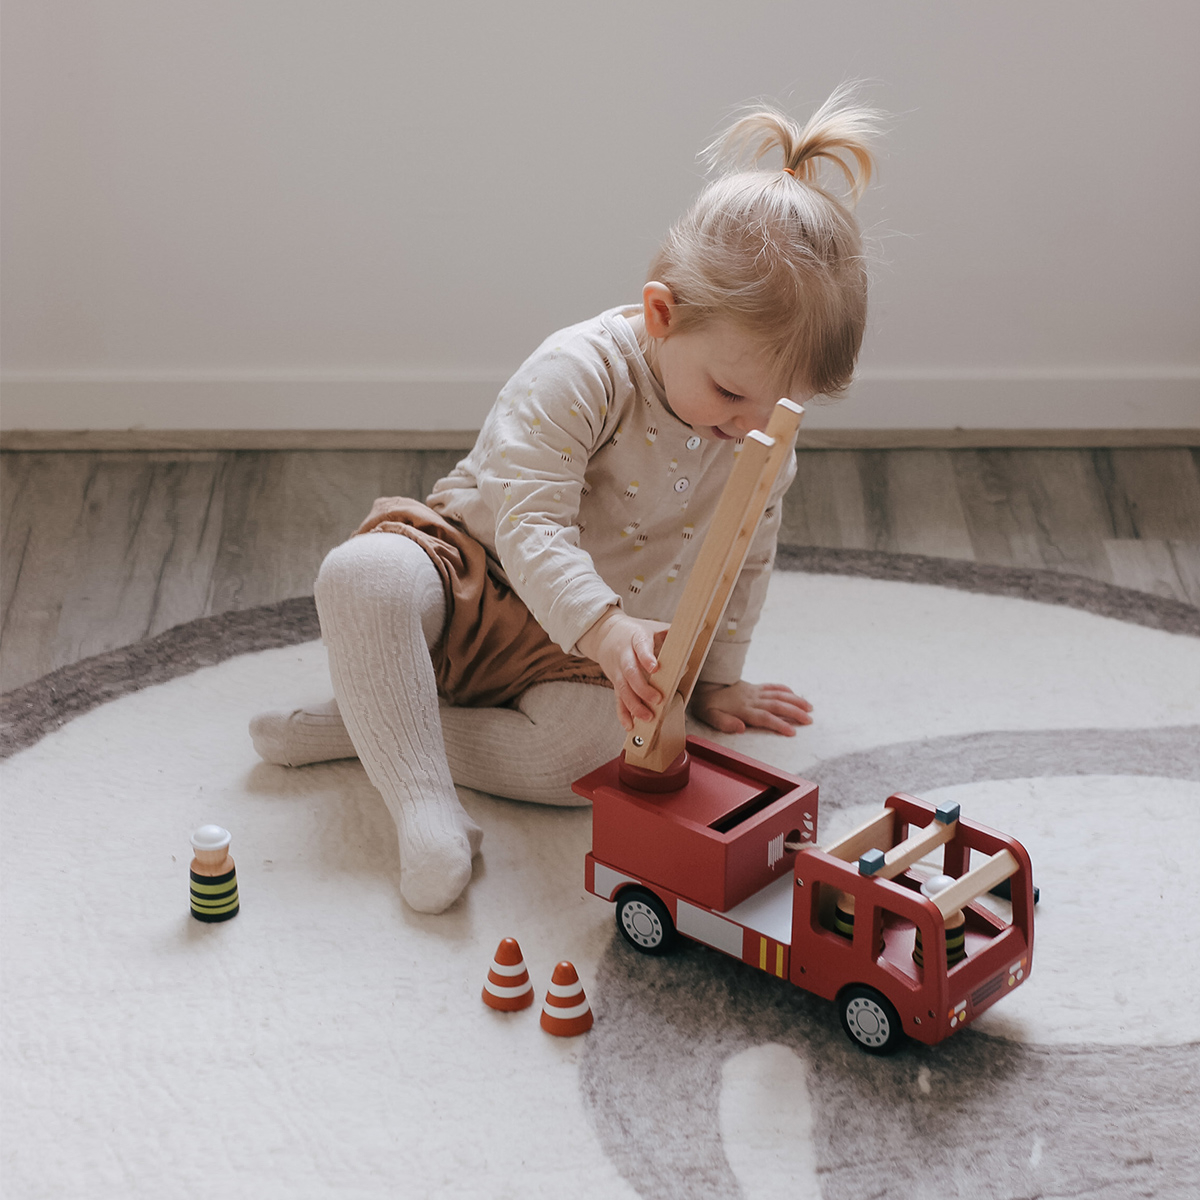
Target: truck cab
x=897, y=944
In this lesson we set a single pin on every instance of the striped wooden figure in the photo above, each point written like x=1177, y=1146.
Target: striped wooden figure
x=956, y=925
x=843, y=918
x=843, y=915
x=956, y=941
x=213, y=875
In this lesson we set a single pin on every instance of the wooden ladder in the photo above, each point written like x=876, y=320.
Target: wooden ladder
x=656, y=744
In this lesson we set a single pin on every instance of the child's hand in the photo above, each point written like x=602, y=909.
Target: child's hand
x=627, y=650
x=733, y=707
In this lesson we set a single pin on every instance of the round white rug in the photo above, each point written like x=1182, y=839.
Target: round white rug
x=328, y=1041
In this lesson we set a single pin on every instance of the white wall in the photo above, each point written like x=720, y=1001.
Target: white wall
x=363, y=214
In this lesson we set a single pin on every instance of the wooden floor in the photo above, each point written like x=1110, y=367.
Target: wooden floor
x=98, y=550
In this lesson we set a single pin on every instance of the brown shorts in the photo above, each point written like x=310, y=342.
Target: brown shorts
x=492, y=649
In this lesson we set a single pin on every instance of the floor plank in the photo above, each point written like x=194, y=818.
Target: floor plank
x=1060, y=500
x=41, y=547
x=997, y=516
x=924, y=511
x=1152, y=495
x=112, y=549
x=826, y=505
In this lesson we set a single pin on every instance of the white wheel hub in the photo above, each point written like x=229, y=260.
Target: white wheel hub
x=641, y=923
x=868, y=1022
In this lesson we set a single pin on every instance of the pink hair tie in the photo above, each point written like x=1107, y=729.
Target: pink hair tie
x=789, y=171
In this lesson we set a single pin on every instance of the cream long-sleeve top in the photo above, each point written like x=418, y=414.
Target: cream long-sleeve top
x=587, y=491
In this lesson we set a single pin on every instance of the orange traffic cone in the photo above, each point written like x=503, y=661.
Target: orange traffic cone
x=566, y=1011
x=507, y=987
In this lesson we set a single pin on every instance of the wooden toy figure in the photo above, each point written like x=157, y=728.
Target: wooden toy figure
x=956, y=925
x=214, y=877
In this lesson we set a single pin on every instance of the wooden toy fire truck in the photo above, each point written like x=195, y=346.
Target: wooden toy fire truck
x=848, y=922
x=690, y=838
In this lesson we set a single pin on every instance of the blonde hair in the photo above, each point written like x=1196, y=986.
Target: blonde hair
x=773, y=250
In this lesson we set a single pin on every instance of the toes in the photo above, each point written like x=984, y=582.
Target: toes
x=432, y=879
x=268, y=732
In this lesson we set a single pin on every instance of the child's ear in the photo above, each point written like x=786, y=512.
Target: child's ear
x=658, y=303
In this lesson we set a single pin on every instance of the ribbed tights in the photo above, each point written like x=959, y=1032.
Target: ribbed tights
x=382, y=606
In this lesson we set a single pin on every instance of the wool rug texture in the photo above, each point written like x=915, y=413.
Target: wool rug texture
x=329, y=1041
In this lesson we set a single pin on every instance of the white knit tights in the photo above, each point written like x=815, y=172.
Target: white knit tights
x=382, y=606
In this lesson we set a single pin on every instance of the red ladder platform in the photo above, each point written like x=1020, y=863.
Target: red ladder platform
x=718, y=839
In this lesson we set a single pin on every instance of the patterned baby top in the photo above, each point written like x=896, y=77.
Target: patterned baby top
x=588, y=491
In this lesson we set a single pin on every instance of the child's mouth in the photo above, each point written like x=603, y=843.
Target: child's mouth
x=724, y=437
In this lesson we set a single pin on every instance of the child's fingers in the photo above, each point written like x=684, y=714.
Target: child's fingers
x=780, y=691
x=780, y=717
x=630, y=709
x=644, y=650
x=641, y=709
x=638, y=695
x=634, y=675
x=766, y=720
x=791, y=708
x=777, y=724
x=795, y=713
x=723, y=721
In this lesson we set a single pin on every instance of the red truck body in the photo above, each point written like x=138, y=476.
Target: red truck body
x=731, y=860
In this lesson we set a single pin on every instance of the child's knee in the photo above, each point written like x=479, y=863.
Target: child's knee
x=335, y=572
x=381, y=570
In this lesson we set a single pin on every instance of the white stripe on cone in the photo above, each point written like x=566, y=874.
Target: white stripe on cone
x=502, y=969
x=506, y=993
x=565, y=1014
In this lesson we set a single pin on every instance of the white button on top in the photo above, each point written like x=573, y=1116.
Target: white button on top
x=692, y=443
x=682, y=485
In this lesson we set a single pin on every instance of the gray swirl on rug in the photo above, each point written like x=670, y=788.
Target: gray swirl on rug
x=29, y=712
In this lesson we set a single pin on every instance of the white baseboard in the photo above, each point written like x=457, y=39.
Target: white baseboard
x=879, y=400
x=248, y=402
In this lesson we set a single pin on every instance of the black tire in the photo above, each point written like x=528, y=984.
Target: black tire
x=644, y=922
x=870, y=1020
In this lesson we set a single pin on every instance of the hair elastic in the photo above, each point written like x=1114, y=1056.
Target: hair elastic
x=789, y=171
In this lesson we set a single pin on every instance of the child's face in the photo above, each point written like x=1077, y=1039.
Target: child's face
x=718, y=381
x=716, y=377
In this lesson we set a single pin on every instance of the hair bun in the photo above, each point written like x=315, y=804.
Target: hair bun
x=780, y=257
x=840, y=132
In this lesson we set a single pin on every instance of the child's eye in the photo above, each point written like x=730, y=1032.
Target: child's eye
x=726, y=393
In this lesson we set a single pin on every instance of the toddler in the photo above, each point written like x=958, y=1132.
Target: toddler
x=503, y=634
